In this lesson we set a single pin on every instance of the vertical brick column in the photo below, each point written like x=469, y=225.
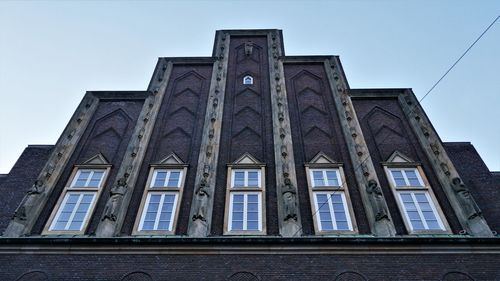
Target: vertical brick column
x=461, y=200
x=286, y=180
x=203, y=198
x=121, y=192
x=376, y=209
x=33, y=203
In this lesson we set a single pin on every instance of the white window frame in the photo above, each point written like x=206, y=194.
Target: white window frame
x=248, y=77
x=151, y=189
x=71, y=189
x=341, y=189
x=424, y=188
x=246, y=190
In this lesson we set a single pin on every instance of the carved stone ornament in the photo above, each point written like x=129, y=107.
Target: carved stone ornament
x=201, y=203
x=29, y=200
x=468, y=204
x=248, y=48
x=116, y=195
x=289, y=202
x=377, y=200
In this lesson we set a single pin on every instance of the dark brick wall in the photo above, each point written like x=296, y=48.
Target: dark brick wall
x=20, y=179
x=246, y=124
x=178, y=129
x=108, y=133
x=265, y=267
x=484, y=186
x=316, y=128
x=386, y=129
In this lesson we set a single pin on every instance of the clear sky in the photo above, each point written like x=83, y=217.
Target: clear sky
x=51, y=52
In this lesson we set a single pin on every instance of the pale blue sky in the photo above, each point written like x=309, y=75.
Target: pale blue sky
x=51, y=52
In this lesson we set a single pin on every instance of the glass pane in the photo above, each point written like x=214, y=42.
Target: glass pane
x=252, y=225
x=96, y=179
x=322, y=199
x=253, y=178
x=421, y=198
x=332, y=179
x=398, y=178
x=87, y=198
x=429, y=215
x=412, y=178
x=148, y=225
x=239, y=179
x=406, y=197
x=238, y=198
x=150, y=216
x=325, y=216
x=169, y=198
x=60, y=225
x=160, y=178
x=165, y=216
x=79, y=216
x=82, y=178
x=75, y=225
x=253, y=198
x=237, y=216
x=342, y=225
x=336, y=198
x=340, y=216
x=253, y=216
x=64, y=217
x=238, y=207
x=413, y=215
x=163, y=225
x=326, y=225
x=433, y=224
x=318, y=178
x=173, y=181
x=417, y=225
x=237, y=225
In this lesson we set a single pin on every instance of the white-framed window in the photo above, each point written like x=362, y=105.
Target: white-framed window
x=245, y=199
x=245, y=213
x=77, y=202
x=415, y=198
x=248, y=80
x=332, y=213
x=331, y=207
x=160, y=203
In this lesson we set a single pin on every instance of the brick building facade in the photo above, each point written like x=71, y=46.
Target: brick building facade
x=250, y=165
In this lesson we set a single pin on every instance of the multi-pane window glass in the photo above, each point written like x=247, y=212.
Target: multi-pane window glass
x=419, y=210
x=160, y=207
x=325, y=177
x=159, y=211
x=246, y=178
x=88, y=178
x=245, y=211
x=332, y=211
x=73, y=211
x=406, y=177
x=245, y=201
x=166, y=178
x=78, y=201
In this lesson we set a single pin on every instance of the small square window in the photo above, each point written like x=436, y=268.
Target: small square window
x=248, y=80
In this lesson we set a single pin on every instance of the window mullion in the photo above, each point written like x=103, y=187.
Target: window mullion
x=332, y=211
x=245, y=210
x=73, y=212
x=325, y=179
x=167, y=178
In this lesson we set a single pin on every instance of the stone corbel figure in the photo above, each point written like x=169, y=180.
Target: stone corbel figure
x=202, y=196
x=248, y=48
x=468, y=204
x=377, y=200
x=290, y=205
x=29, y=200
x=116, y=194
